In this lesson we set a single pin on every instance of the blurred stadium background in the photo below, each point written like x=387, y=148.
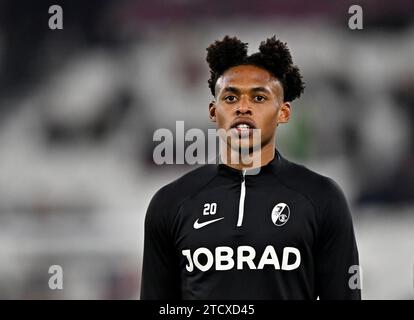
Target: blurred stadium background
x=79, y=106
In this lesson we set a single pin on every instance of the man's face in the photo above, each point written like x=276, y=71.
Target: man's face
x=249, y=97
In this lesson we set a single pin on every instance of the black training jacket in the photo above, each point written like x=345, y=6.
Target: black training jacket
x=221, y=233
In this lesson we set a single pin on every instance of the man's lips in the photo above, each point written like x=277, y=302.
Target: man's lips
x=243, y=127
x=243, y=124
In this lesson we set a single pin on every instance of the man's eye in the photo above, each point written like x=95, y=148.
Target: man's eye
x=259, y=98
x=230, y=99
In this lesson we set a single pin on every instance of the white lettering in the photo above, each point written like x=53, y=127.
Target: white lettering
x=190, y=265
x=223, y=258
x=224, y=254
x=208, y=254
x=269, y=257
x=285, y=259
x=248, y=259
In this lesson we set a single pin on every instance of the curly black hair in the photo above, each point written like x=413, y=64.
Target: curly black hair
x=273, y=56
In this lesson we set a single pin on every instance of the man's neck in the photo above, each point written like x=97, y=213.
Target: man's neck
x=257, y=158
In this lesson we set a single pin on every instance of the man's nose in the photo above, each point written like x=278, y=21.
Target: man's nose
x=243, y=107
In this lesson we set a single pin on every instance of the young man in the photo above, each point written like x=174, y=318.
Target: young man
x=220, y=233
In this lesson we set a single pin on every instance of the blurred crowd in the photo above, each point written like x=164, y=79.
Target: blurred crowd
x=79, y=106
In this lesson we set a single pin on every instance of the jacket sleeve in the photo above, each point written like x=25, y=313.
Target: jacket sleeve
x=337, y=250
x=160, y=277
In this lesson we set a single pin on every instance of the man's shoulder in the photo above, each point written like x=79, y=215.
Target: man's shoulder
x=310, y=183
x=187, y=184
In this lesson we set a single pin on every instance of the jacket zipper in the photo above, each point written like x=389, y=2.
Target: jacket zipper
x=241, y=200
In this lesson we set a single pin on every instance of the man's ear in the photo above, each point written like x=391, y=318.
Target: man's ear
x=212, y=110
x=283, y=114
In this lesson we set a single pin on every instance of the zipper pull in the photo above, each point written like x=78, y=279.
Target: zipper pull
x=241, y=200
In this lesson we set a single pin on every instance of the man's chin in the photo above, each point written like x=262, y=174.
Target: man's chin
x=243, y=141
x=245, y=145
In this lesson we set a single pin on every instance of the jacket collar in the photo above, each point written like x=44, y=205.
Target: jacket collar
x=273, y=165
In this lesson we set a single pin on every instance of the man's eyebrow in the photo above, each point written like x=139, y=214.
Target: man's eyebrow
x=231, y=89
x=260, y=89
x=255, y=89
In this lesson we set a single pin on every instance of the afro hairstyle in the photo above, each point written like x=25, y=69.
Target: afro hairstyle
x=273, y=56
